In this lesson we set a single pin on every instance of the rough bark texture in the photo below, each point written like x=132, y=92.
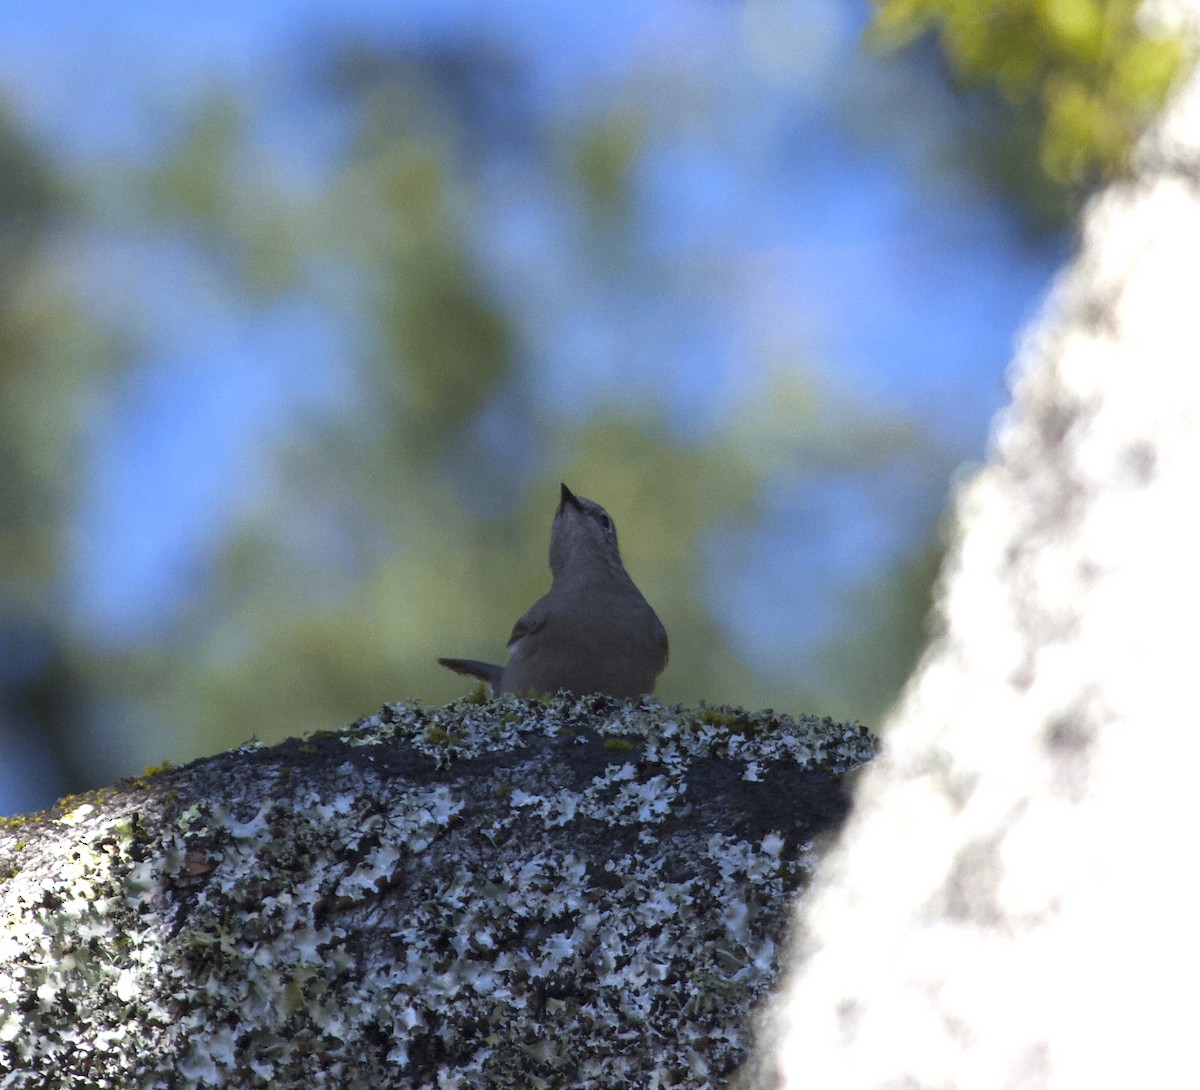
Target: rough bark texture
x=579, y=893
x=1013, y=903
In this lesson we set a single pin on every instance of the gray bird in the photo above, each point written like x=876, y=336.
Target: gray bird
x=592, y=632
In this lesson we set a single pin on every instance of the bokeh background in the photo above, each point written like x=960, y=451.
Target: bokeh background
x=306, y=309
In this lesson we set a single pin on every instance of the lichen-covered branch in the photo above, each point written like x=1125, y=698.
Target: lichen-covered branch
x=580, y=893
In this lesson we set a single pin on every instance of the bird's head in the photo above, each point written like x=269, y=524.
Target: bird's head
x=583, y=539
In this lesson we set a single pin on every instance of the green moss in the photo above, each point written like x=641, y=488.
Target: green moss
x=737, y=720
x=617, y=743
x=437, y=735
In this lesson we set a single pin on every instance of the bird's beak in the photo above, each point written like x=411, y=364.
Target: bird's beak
x=565, y=497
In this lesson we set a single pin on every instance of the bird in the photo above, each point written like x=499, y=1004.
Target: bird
x=592, y=631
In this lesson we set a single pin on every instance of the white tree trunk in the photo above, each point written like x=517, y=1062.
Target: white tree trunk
x=1013, y=903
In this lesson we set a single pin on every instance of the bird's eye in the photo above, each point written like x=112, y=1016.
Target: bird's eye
x=606, y=522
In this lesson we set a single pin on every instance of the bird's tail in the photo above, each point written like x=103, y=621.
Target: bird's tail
x=486, y=672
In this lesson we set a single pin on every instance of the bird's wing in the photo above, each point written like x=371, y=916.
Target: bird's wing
x=534, y=620
x=662, y=642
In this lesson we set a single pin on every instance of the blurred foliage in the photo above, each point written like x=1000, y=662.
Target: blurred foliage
x=52, y=358
x=894, y=613
x=29, y=200
x=208, y=188
x=367, y=562
x=1082, y=76
x=606, y=155
x=411, y=517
